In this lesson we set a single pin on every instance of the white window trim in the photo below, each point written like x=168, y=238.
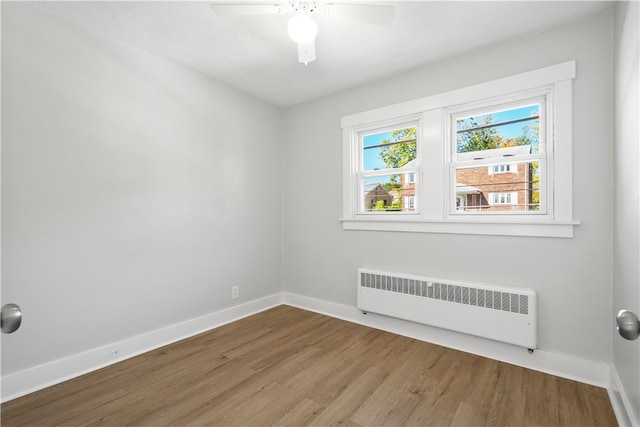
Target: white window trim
x=434, y=217
x=433, y=199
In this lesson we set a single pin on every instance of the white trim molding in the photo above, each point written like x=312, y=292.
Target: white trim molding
x=620, y=401
x=33, y=379
x=483, y=226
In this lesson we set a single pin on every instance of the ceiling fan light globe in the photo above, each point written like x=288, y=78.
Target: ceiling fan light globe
x=302, y=29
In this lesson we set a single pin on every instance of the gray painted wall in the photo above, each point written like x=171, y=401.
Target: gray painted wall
x=573, y=277
x=135, y=192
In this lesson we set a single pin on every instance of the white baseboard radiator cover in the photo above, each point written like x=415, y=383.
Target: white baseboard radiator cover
x=496, y=312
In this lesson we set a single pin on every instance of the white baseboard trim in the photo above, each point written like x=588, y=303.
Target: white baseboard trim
x=561, y=365
x=620, y=401
x=33, y=379
x=29, y=380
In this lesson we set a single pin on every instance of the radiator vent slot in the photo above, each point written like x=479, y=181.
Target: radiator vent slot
x=494, y=300
x=501, y=313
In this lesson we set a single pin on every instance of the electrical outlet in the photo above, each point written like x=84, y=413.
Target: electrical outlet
x=235, y=292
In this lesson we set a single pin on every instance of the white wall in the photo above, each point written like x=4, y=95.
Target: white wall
x=135, y=192
x=626, y=354
x=572, y=276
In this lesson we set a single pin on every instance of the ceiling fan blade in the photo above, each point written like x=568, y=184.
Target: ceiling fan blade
x=233, y=9
x=306, y=52
x=365, y=13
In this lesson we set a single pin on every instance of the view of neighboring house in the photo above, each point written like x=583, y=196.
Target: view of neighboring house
x=374, y=193
x=498, y=187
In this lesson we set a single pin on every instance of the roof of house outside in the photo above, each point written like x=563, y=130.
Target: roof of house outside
x=466, y=189
x=371, y=187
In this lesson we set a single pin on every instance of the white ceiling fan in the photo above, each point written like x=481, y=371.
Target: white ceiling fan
x=301, y=27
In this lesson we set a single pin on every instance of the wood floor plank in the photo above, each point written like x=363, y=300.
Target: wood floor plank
x=390, y=403
x=441, y=393
x=466, y=415
x=540, y=409
x=509, y=393
x=347, y=402
x=300, y=414
x=291, y=367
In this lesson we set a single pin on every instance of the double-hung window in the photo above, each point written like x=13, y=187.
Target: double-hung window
x=494, y=158
x=499, y=157
x=386, y=169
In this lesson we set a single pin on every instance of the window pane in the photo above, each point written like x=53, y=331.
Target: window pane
x=388, y=193
x=489, y=131
x=479, y=190
x=390, y=149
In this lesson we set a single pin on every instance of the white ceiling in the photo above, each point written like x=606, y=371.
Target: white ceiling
x=255, y=54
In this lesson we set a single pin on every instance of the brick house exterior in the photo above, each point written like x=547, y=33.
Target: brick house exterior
x=501, y=187
x=407, y=190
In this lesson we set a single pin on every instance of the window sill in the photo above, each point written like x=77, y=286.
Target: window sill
x=481, y=226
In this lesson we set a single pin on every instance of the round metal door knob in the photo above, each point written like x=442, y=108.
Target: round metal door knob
x=628, y=325
x=10, y=318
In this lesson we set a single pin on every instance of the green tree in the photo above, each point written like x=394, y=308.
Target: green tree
x=535, y=185
x=395, y=206
x=479, y=139
x=489, y=138
x=379, y=207
x=397, y=153
x=393, y=184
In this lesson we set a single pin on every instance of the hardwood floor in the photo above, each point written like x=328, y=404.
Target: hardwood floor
x=292, y=367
